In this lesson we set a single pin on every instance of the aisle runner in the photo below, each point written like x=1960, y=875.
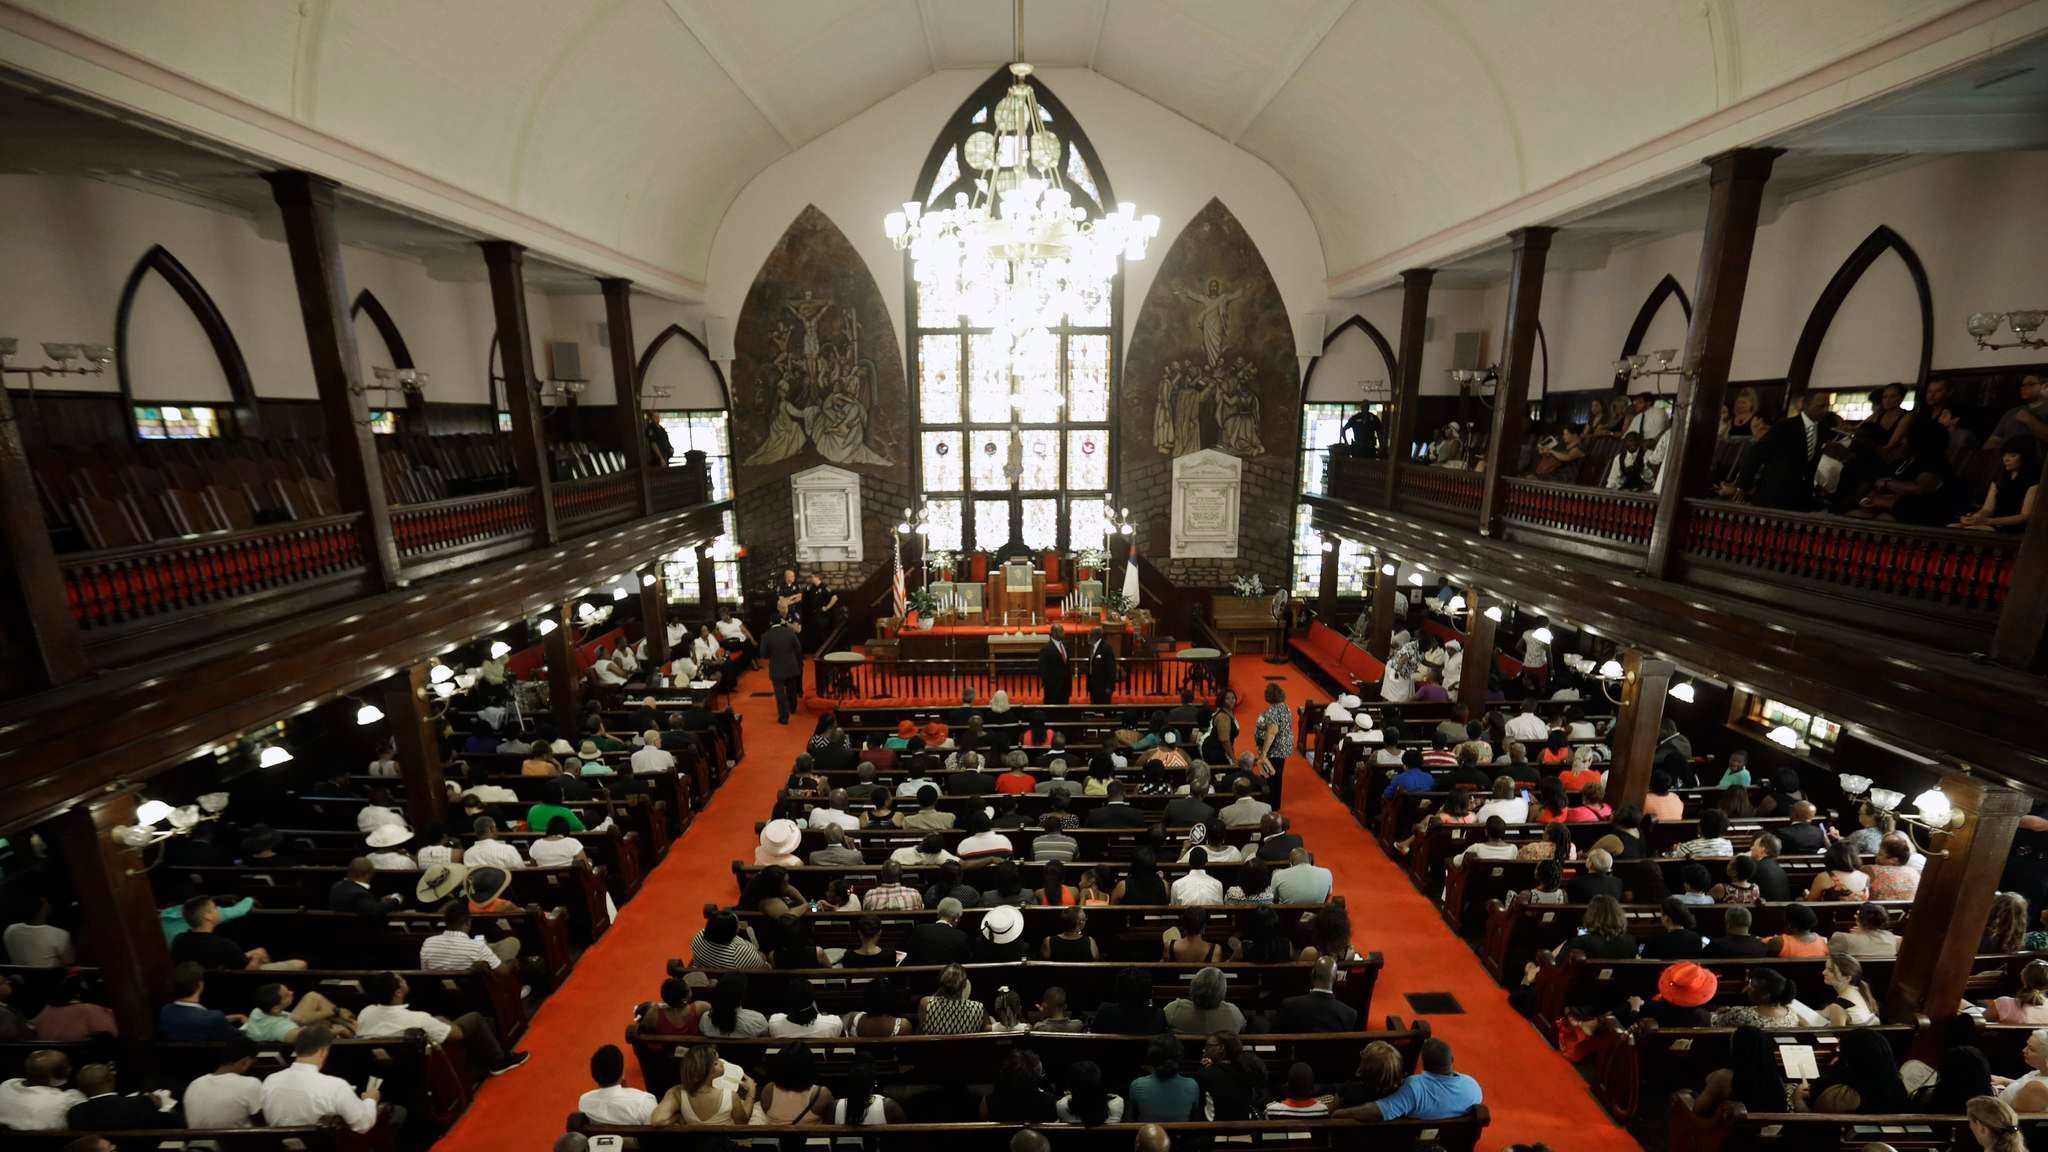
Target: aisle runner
x=1533, y=1094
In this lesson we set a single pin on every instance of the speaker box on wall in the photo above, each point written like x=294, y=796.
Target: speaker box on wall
x=565, y=360
x=1468, y=349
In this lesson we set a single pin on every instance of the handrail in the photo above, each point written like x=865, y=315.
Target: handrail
x=1952, y=566
x=1458, y=488
x=942, y=678
x=1602, y=512
x=1359, y=479
x=594, y=496
x=462, y=520
x=120, y=585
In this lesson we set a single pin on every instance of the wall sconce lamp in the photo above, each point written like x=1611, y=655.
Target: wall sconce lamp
x=1983, y=325
x=1933, y=810
x=1683, y=692
x=71, y=359
x=1663, y=362
x=156, y=822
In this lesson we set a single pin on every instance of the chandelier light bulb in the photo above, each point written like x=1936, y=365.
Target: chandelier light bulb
x=1415, y=578
x=1387, y=569
x=647, y=580
x=1784, y=736
x=1683, y=692
x=1493, y=613
x=1542, y=635
x=441, y=674
x=500, y=649
x=545, y=627
x=1610, y=670
x=151, y=812
x=368, y=714
x=273, y=755
x=1934, y=807
x=1457, y=604
x=619, y=593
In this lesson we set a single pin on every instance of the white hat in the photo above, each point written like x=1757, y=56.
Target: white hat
x=1363, y=720
x=1000, y=702
x=1349, y=700
x=1002, y=924
x=781, y=837
x=440, y=882
x=562, y=747
x=389, y=836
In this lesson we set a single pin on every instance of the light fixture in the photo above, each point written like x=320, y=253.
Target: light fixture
x=1457, y=604
x=585, y=611
x=2025, y=322
x=178, y=821
x=1663, y=362
x=1415, y=578
x=1326, y=547
x=1473, y=381
x=1784, y=736
x=400, y=381
x=370, y=713
x=440, y=674
x=647, y=580
x=444, y=691
x=91, y=359
x=619, y=594
x=1936, y=810
x=1492, y=613
x=1387, y=569
x=1683, y=692
x=500, y=649
x=545, y=627
x=1610, y=669
x=151, y=812
x=273, y=755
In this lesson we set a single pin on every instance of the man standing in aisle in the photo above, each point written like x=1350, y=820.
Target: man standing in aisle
x=1101, y=671
x=785, y=655
x=1053, y=674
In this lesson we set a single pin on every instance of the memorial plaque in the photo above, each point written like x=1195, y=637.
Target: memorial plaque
x=1206, y=489
x=826, y=503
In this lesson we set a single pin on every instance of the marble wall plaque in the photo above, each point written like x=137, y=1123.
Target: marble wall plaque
x=826, y=502
x=1206, y=489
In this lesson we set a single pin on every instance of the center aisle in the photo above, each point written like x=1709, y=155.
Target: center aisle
x=1533, y=1093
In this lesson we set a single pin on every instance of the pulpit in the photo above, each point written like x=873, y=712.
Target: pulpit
x=1016, y=594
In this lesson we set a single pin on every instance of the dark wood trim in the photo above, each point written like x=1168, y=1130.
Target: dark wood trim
x=1961, y=880
x=1415, y=284
x=661, y=338
x=2022, y=636
x=1356, y=322
x=565, y=679
x=119, y=929
x=1511, y=396
x=618, y=313
x=1479, y=651
x=1638, y=726
x=242, y=415
x=1385, y=587
x=43, y=645
x=507, y=264
x=1807, y=350
x=654, y=614
x=1666, y=289
x=366, y=303
x=412, y=724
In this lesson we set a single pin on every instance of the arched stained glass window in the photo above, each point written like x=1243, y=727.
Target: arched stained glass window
x=966, y=430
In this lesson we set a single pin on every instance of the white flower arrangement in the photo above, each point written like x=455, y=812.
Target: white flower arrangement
x=1248, y=585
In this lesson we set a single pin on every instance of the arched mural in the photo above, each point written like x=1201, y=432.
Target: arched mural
x=1212, y=366
x=242, y=415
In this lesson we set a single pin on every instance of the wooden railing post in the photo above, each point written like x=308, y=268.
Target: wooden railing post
x=1638, y=725
x=507, y=264
x=1408, y=388
x=2022, y=636
x=403, y=697
x=1479, y=647
x=306, y=202
x=1386, y=589
x=707, y=581
x=1326, y=585
x=37, y=619
x=565, y=679
x=1735, y=193
x=699, y=466
x=618, y=315
x=1511, y=395
x=119, y=929
x=654, y=614
x=1958, y=884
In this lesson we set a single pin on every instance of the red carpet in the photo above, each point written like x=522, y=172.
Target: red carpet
x=1534, y=1095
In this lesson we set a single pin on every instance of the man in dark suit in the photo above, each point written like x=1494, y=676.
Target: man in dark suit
x=970, y=780
x=1780, y=472
x=1276, y=843
x=1771, y=882
x=1052, y=668
x=1101, y=671
x=353, y=894
x=104, y=1110
x=941, y=942
x=1598, y=880
x=1191, y=809
x=1318, y=1009
x=1114, y=811
x=785, y=653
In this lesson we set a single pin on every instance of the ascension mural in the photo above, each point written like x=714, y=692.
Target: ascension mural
x=817, y=376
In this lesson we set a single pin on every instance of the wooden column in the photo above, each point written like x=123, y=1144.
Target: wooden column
x=1401, y=421
x=306, y=202
x=654, y=613
x=699, y=465
x=1479, y=644
x=403, y=697
x=2022, y=636
x=707, y=581
x=565, y=680
x=37, y=622
x=1326, y=586
x=1638, y=722
x=618, y=314
x=119, y=928
x=1934, y=967
x=1734, y=196
x=1385, y=588
x=507, y=264
x=1511, y=395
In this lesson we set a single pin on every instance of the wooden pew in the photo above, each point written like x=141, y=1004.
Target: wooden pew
x=34, y=985
x=1120, y=931
x=615, y=849
x=430, y=1084
x=1515, y=932
x=1458, y=1135
x=330, y=937
x=661, y=814
x=580, y=890
x=321, y=1139
x=494, y=993
x=1468, y=890
x=1736, y=1129
x=813, y=879
x=1092, y=843
x=1649, y=1062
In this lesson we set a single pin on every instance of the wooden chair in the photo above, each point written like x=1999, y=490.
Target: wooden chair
x=106, y=523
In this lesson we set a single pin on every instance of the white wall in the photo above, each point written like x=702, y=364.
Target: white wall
x=70, y=244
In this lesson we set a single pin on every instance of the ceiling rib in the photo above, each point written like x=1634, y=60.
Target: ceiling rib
x=1297, y=55
x=722, y=57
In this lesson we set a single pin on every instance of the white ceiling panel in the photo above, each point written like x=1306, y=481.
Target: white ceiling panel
x=976, y=33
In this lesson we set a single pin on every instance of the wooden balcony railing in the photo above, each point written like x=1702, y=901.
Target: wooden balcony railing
x=615, y=496
x=1356, y=478
x=1625, y=517
x=1953, y=569
x=161, y=579
x=678, y=486
x=1443, y=489
x=488, y=518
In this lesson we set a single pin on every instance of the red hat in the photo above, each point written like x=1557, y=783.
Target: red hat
x=906, y=728
x=1687, y=985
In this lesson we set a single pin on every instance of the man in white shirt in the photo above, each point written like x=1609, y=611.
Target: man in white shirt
x=1649, y=419
x=303, y=1095
x=607, y=673
x=650, y=758
x=37, y=1100
x=453, y=949
x=833, y=811
x=489, y=851
x=1197, y=887
x=388, y=1015
x=378, y=812
x=1301, y=882
x=35, y=942
x=1495, y=846
x=1527, y=726
x=227, y=1097
x=612, y=1102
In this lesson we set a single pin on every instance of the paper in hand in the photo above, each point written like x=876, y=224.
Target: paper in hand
x=1798, y=1061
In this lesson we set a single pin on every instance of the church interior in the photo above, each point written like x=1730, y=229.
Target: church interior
x=1382, y=575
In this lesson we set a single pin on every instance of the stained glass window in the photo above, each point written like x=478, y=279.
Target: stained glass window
x=384, y=422
x=176, y=422
x=706, y=430
x=1322, y=426
x=679, y=568
x=966, y=380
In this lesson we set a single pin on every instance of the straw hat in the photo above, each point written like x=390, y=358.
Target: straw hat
x=486, y=884
x=588, y=751
x=1002, y=924
x=1687, y=985
x=439, y=882
x=781, y=838
x=388, y=836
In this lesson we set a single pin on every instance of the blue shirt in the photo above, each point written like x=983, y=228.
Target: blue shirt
x=1432, y=1096
x=192, y=1023
x=1153, y=1100
x=1411, y=780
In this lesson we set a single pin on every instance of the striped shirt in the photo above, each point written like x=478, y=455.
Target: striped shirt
x=892, y=898
x=738, y=952
x=1054, y=846
x=450, y=951
x=1705, y=846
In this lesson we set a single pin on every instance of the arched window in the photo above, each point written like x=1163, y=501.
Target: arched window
x=964, y=419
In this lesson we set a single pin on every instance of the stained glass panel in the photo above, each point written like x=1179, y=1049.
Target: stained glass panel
x=1088, y=379
x=945, y=524
x=991, y=524
x=1088, y=459
x=1087, y=522
x=1077, y=171
x=990, y=449
x=949, y=171
x=936, y=307
x=1041, y=524
x=1041, y=460
x=938, y=379
x=988, y=399
x=942, y=468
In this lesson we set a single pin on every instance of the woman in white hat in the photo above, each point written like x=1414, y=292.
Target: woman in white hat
x=1001, y=937
x=382, y=840
x=779, y=841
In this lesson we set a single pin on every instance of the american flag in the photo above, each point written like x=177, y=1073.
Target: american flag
x=896, y=591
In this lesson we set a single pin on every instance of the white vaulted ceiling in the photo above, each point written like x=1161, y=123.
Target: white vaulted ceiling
x=625, y=128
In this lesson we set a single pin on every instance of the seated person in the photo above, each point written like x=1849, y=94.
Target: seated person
x=37, y=1100
x=710, y=1093
x=304, y=1095
x=185, y=1018
x=227, y=1097
x=277, y=1017
x=202, y=945
x=613, y=1101
x=387, y=1015
x=106, y=1110
x=1438, y=1092
x=70, y=1015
